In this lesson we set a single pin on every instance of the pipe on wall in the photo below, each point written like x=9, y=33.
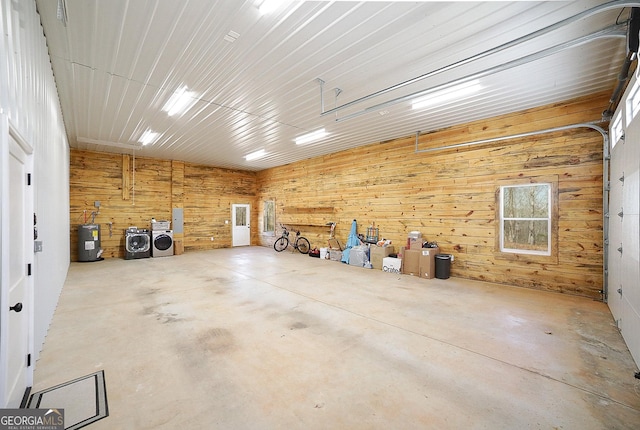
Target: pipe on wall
x=605, y=177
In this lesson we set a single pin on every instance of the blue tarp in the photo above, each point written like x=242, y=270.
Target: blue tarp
x=352, y=241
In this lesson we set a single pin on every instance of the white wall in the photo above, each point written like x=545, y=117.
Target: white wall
x=28, y=96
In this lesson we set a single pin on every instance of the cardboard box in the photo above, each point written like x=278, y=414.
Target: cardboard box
x=415, y=242
x=178, y=247
x=392, y=265
x=411, y=262
x=378, y=253
x=428, y=262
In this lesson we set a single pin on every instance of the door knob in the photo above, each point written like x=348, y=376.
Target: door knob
x=17, y=307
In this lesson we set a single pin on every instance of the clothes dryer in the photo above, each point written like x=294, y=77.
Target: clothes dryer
x=161, y=243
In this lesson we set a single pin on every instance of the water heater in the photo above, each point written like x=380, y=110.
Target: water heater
x=89, y=242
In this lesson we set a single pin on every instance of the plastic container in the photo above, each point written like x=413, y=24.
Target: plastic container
x=323, y=253
x=443, y=266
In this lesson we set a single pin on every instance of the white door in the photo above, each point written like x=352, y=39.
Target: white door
x=241, y=216
x=16, y=237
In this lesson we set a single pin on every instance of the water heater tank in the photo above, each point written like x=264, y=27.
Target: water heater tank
x=89, y=242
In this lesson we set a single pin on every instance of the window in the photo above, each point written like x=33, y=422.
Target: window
x=633, y=102
x=526, y=219
x=616, y=130
x=269, y=218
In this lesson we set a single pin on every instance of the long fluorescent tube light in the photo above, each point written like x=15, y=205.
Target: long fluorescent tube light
x=181, y=101
x=456, y=92
x=268, y=6
x=61, y=12
x=310, y=137
x=148, y=137
x=255, y=155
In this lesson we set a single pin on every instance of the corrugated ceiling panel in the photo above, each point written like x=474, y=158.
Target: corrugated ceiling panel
x=116, y=63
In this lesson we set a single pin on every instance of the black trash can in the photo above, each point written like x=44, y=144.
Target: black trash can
x=443, y=266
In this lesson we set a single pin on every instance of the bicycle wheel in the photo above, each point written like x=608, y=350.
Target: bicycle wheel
x=303, y=245
x=281, y=244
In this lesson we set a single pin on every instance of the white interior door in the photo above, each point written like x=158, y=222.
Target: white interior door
x=16, y=235
x=241, y=216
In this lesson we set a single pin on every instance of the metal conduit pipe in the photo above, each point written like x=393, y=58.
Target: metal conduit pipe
x=623, y=76
x=616, y=4
x=605, y=178
x=618, y=30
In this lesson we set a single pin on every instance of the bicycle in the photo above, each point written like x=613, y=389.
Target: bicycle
x=300, y=243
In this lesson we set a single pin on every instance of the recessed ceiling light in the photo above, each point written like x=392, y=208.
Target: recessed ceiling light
x=448, y=94
x=180, y=101
x=148, y=137
x=255, y=155
x=310, y=137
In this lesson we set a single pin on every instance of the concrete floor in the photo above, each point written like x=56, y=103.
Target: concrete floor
x=246, y=338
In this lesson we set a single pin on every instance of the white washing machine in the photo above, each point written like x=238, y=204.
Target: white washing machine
x=161, y=243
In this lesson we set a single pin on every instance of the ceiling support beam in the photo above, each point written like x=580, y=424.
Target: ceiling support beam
x=107, y=143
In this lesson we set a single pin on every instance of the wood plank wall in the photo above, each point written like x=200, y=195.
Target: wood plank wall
x=450, y=195
x=205, y=194
x=209, y=193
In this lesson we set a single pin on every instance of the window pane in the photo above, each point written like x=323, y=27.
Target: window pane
x=241, y=216
x=526, y=201
x=269, y=216
x=526, y=235
x=525, y=223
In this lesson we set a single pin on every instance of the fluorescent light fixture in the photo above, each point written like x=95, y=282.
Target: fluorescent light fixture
x=148, y=137
x=181, y=101
x=231, y=36
x=268, y=6
x=456, y=92
x=61, y=12
x=310, y=137
x=255, y=155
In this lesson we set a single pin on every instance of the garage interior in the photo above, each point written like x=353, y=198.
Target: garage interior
x=234, y=335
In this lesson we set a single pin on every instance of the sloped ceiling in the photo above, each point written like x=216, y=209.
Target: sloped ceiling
x=256, y=77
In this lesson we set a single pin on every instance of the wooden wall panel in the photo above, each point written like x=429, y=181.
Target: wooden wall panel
x=205, y=194
x=209, y=193
x=99, y=176
x=449, y=195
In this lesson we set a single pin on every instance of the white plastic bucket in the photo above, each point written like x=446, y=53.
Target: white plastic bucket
x=323, y=253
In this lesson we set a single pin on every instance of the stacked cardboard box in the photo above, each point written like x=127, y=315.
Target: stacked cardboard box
x=420, y=262
x=411, y=261
x=427, y=265
x=378, y=253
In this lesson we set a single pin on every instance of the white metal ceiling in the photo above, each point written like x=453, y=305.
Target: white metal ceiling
x=116, y=63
